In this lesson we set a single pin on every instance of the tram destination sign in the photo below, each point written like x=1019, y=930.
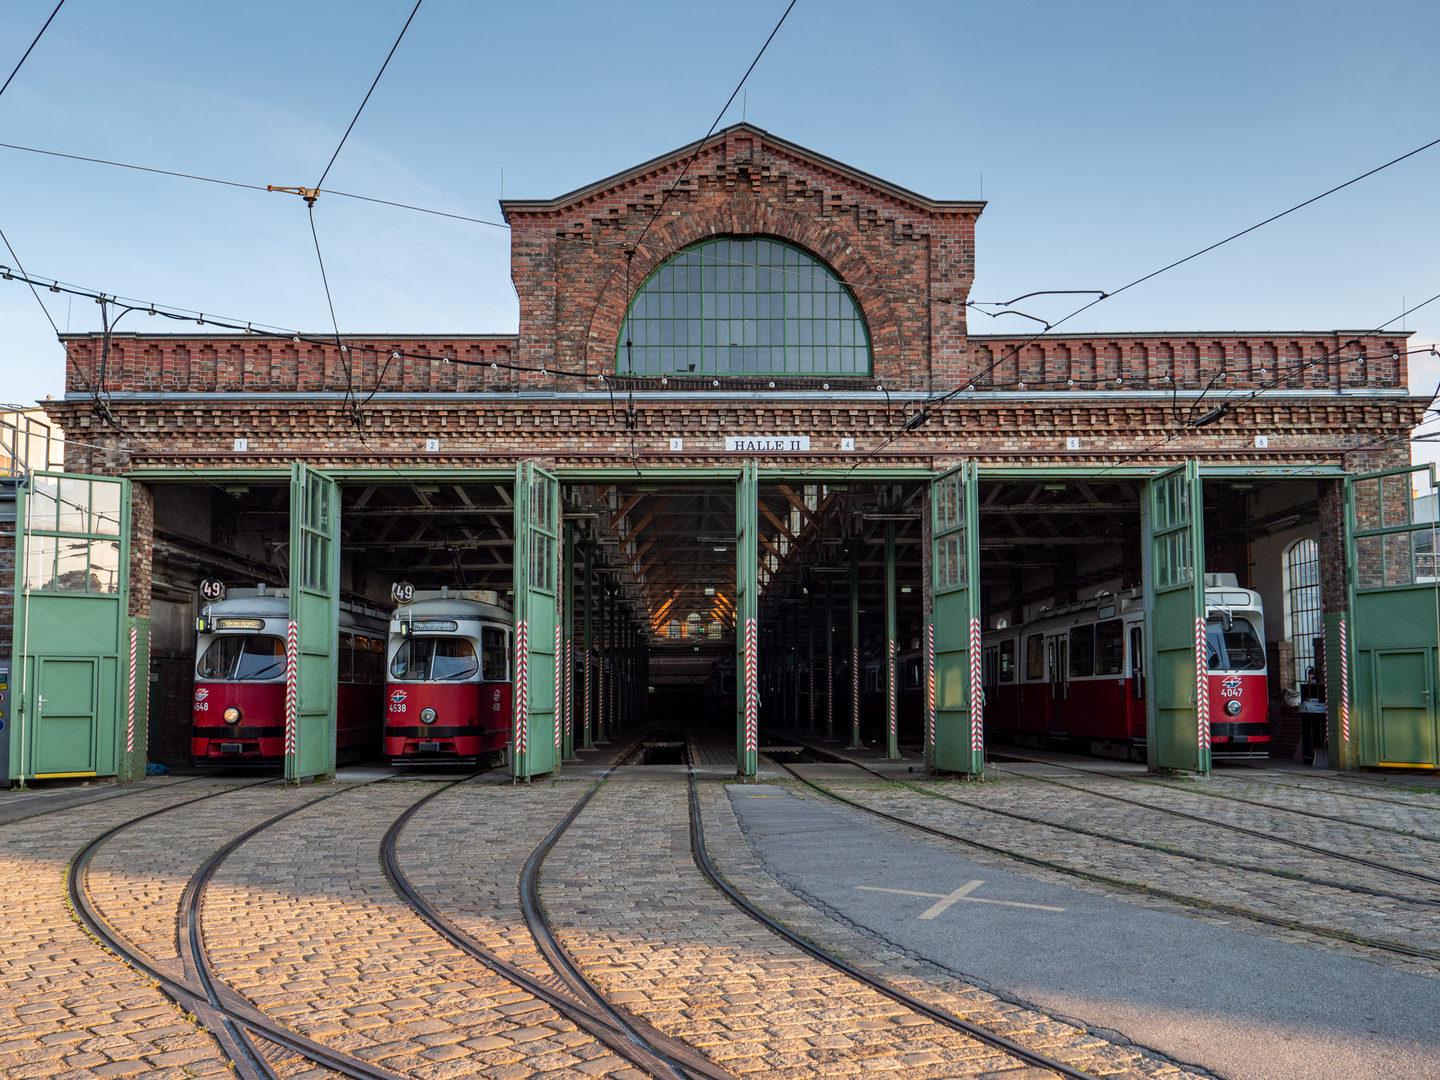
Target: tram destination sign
x=767, y=444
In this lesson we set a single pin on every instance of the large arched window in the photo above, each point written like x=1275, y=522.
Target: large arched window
x=1304, y=617
x=743, y=307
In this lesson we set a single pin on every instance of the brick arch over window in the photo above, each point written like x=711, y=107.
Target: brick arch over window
x=832, y=248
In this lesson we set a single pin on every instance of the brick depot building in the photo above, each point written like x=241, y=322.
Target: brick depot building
x=711, y=461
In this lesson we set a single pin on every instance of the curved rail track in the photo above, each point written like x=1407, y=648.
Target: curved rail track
x=1104, y=879
x=232, y=1020
x=978, y=1032
x=1313, y=848
x=1334, y=818
x=580, y=1002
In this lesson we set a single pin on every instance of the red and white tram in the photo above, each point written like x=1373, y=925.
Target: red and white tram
x=239, y=704
x=447, y=692
x=1076, y=678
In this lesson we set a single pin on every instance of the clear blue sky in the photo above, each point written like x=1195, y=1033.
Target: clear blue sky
x=1112, y=138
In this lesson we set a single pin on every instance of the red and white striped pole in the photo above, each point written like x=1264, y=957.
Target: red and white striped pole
x=522, y=689
x=130, y=702
x=891, y=730
x=1202, y=687
x=292, y=688
x=752, y=689
x=930, y=685
x=1344, y=681
x=854, y=695
x=977, y=692
x=559, y=675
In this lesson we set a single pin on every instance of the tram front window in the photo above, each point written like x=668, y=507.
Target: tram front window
x=434, y=660
x=494, y=663
x=1236, y=649
x=243, y=657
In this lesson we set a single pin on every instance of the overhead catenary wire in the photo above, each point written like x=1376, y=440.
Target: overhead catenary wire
x=253, y=187
x=665, y=194
x=366, y=99
x=36, y=41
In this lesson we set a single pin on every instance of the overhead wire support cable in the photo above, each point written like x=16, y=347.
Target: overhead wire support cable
x=665, y=195
x=363, y=103
x=28, y=51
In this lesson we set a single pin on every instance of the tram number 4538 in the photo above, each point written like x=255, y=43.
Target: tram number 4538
x=397, y=701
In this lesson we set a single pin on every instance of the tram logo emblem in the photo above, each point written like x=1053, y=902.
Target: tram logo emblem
x=398, y=697
x=1230, y=686
x=202, y=693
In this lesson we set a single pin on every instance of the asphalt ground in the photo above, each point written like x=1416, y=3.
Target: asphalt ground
x=1238, y=1004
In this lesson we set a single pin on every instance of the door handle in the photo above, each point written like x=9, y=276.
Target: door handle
x=39, y=704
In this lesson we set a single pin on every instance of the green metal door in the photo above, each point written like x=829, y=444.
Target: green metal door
x=959, y=739
x=1178, y=711
x=68, y=670
x=537, y=626
x=66, y=700
x=747, y=613
x=1393, y=623
x=312, y=658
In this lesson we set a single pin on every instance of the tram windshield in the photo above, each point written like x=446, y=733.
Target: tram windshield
x=243, y=657
x=1235, y=649
x=438, y=659
x=494, y=659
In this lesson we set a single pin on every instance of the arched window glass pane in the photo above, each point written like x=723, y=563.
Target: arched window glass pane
x=1304, y=619
x=743, y=307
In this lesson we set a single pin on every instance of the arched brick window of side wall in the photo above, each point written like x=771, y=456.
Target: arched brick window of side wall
x=1244, y=362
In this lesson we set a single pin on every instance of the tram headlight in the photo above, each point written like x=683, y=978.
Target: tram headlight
x=427, y=716
x=1232, y=707
x=231, y=715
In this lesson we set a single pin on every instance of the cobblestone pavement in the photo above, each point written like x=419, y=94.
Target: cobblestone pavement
x=136, y=878
x=630, y=906
x=303, y=923
x=1404, y=922
x=70, y=1009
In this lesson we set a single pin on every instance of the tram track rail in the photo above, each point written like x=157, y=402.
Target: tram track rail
x=231, y=1020
x=631, y=1037
x=1196, y=902
x=1244, y=830
x=95, y=802
x=701, y=855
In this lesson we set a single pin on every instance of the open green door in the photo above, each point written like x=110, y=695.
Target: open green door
x=313, y=642
x=70, y=669
x=537, y=626
x=747, y=612
x=1390, y=644
x=958, y=744
x=1178, y=720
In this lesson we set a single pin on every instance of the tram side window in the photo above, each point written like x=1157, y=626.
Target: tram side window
x=912, y=673
x=1137, y=663
x=494, y=661
x=1110, y=648
x=1007, y=660
x=1082, y=651
x=1035, y=658
x=346, y=664
x=243, y=657
x=992, y=666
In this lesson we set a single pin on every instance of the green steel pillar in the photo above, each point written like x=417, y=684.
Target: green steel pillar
x=855, y=743
x=586, y=730
x=829, y=661
x=892, y=696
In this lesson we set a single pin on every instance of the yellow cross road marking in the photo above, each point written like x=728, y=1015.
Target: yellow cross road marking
x=962, y=893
